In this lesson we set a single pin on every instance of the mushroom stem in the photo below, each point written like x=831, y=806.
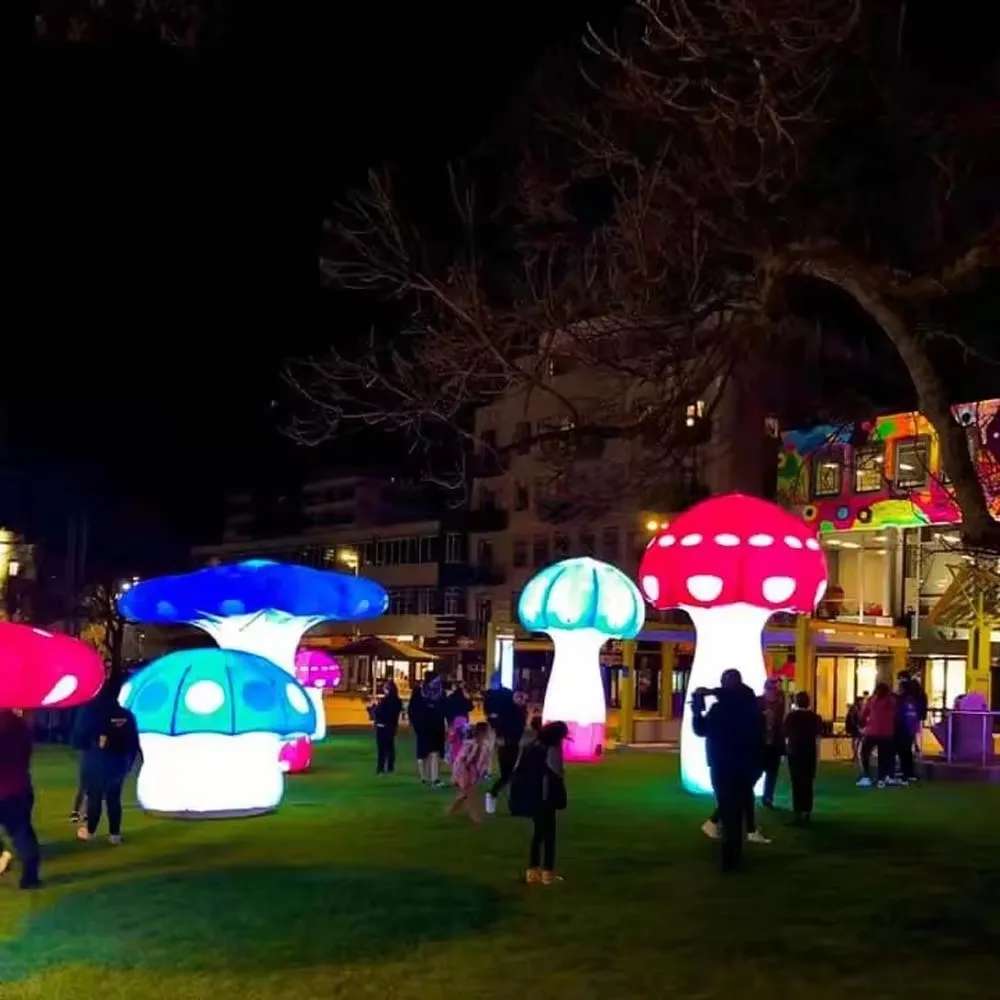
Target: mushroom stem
x=271, y=634
x=727, y=637
x=575, y=691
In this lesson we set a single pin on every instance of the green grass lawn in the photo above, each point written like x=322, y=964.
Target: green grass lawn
x=360, y=887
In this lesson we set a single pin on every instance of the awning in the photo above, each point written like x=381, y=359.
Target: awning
x=378, y=648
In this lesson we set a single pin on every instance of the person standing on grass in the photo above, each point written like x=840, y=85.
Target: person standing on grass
x=110, y=738
x=538, y=792
x=509, y=727
x=416, y=714
x=385, y=714
x=731, y=729
x=878, y=724
x=772, y=707
x=803, y=728
x=468, y=769
x=909, y=718
x=434, y=729
x=17, y=797
x=852, y=727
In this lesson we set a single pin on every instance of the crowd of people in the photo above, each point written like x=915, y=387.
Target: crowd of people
x=108, y=740
x=528, y=754
x=747, y=738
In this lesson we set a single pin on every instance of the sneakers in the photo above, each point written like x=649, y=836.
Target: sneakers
x=710, y=829
x=5, y=859
x=491, y=805
x=82, y=833
x=533, y=876
x=550, y=878
x=757, y=838
x=864, y=782
x=76, y=818
x=895, y=782
x=115, y=839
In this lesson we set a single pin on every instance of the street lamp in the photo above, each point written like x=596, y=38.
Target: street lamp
x=350, y=558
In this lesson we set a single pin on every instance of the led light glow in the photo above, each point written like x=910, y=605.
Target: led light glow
x=580, y=603
x=295, y=755
x=317, y=671
x=730, y=562
x=42, y=669
x=210, y=724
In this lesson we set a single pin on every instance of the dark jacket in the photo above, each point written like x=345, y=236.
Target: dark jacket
x=495, y=702
x=386, y=712
x=416, y=710
x=802, y=729
x=773, y=721
x=15, y=756
x=456, y=705
x=510, y=722
x=108, y=736
x=732, y=729
x=537, y=782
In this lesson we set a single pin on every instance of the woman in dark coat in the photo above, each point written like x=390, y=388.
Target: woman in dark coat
x=385, y=714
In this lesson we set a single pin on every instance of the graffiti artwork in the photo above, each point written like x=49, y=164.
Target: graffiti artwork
x=886, y=473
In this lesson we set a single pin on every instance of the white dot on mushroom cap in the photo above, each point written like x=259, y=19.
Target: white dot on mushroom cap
x=727, y=540
x=124, y=693
x=688, y=540
x=812, y=543
x=296, y=699
x=760, y=541
x=820, y=592
x=704, y=587
x=792, y=542
x=666, y=541
x=778, y=589
x=61, y=690
x=204, y=697
x=651, y=587
x=42, y=633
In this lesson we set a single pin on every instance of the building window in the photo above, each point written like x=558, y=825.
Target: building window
x=487, y=499
x=428, y=548
x=522, y=498
x=869, y=467
x=540, y=552
x=484, y=552
x=609, y=544
x=913, y=456
x=453, y=547
x=827, y=473
x=522, y=437
x=561, y=546
x=588, y=544
x=520, y=555
x=452, y=601
x=426, y=601
x=694, y=412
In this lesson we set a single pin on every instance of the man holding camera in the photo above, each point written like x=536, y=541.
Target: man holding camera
x=732, y=732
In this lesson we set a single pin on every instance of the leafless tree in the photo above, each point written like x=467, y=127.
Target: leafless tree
x=663, y=214
x=172, y=22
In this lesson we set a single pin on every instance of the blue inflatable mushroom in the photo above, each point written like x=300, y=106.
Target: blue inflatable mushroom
x=257, y=606
x=210, y=726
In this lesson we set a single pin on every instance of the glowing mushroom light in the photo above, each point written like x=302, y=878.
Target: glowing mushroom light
x=580, y=603
x=210, y=726
x=730, y=562
x=317, y=671
x=42, y=669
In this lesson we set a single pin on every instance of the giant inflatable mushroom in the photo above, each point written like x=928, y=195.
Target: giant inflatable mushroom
x=257, y=606
x=317, y=671
x=730, y=562
x=580, y=603
x=210, y=726
x=42, y=669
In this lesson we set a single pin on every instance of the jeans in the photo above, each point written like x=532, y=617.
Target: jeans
x=802, y=771
x=732, y=795
x=904, y=750
x=105, y=789
x=15, y=818
x=385, y=749
x=543, y=840
x=506, y=759
x=771, y=760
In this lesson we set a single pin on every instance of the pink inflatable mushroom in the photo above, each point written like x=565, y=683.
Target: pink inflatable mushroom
x=730, y=562
x=317, y=671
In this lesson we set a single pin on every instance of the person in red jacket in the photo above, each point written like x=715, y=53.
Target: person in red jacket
x=878, y=725
x=17, y=798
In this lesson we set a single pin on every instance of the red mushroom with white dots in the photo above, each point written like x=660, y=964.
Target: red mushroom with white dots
x=42, y=669
x=730, y=562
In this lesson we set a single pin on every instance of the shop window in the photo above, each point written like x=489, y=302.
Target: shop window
x=912, y=462
x=869, y=468
x=828, y=473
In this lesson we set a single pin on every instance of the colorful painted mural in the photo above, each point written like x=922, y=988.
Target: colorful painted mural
x=886, y=473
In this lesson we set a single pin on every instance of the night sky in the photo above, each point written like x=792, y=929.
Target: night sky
x=167, y=225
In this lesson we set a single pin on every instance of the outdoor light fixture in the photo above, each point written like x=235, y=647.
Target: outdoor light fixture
x=580, y=603
x=730, y=562
x=258, y=607
x=210, y=725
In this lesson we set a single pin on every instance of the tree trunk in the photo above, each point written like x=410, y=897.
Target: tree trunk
x=979, y=530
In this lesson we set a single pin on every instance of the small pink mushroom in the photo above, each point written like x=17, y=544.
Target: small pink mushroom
x=731, y=562
x=317, y=671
